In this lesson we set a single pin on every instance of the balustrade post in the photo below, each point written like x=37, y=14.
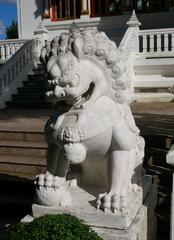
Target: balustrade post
x=158, y=42
x=172, y=42
x=41, y=35
x=12, y=47
x=17, y=47
x=2, y=52
x=151, y=43
x=134, y=23
x=166, y=42
x=7, y=51
x=144, y=43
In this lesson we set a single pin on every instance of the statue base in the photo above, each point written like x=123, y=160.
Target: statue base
x=84, y=207
x=143, y=227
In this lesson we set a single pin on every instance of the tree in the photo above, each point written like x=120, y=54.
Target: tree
x=12, y=30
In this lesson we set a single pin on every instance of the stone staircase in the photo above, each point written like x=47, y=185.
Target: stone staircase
x=22, y=144
x=22, y=153
x=32, y=93
x=153, y=79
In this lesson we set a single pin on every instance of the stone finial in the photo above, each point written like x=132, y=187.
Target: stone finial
x=40, y=28
x=41, y=32
x=133, y=21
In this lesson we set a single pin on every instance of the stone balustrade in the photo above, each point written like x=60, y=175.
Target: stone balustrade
x=15, y=70
x=157, y=41
x=9, y=47
x=130, y=44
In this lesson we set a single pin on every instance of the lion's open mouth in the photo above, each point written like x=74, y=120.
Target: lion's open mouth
x=79, y=100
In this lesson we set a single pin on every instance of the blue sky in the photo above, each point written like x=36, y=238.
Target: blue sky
x=8, y=12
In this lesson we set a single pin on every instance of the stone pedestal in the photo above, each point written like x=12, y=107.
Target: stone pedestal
x=144, y=226
x=108, y=225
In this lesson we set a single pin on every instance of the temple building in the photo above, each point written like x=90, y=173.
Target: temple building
x=108, y=15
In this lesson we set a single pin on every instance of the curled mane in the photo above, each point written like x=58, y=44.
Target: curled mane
x=96, y=45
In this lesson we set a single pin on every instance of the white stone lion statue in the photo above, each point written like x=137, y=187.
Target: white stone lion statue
x=97, y=132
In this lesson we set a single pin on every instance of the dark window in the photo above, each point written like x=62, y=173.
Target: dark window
x=67, y=9
x=105, y=7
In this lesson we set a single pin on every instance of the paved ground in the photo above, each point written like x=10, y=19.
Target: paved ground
x=24, y=119
x=154, y=118
x=150, y=116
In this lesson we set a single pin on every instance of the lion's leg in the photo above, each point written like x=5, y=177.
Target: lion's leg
x=120, y=167
x=56, y=163
x=52, y=187
x=57, y=168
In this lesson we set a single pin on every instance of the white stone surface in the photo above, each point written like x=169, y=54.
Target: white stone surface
x=84, y=207
x=144, y=226
x=98, y=132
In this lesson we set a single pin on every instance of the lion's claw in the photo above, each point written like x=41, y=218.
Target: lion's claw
x=114, y=202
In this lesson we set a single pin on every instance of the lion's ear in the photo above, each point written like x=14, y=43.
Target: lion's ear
x=78, y=46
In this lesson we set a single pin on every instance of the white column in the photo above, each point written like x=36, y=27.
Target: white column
x=144, y=43
x=166, y=43
x=12, y=47
x=7, y=51
x=158, y=42
x=2, y=52
x=172, y=42
x=151, y=43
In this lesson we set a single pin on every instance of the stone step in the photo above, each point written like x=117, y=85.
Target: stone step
x=21, y=148
x=153, y=96
x=22, y=160
x=34, y=84
x=153, y=81
x=39, y=71
x=32, y=90
x=26, y=97
x=28, y=104
x=21, y=171
x=36, y=77
x=33, y=137
x=154, y=66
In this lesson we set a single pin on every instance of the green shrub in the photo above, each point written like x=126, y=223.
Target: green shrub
x=51, y=227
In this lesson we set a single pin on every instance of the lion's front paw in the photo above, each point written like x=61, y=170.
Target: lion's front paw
x=107, y=201
x=135, y=188
x=52, y=191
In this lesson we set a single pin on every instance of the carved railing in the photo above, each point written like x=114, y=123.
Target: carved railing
x=128, y=48
x=15, y=70
x=128, y=45
x=9, y=47
x=159, y=41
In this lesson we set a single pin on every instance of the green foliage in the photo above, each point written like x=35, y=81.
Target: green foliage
x=12, y=30
x=51, y=227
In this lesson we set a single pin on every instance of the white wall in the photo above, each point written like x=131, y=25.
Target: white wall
x=29, y=15
x=30, y=12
